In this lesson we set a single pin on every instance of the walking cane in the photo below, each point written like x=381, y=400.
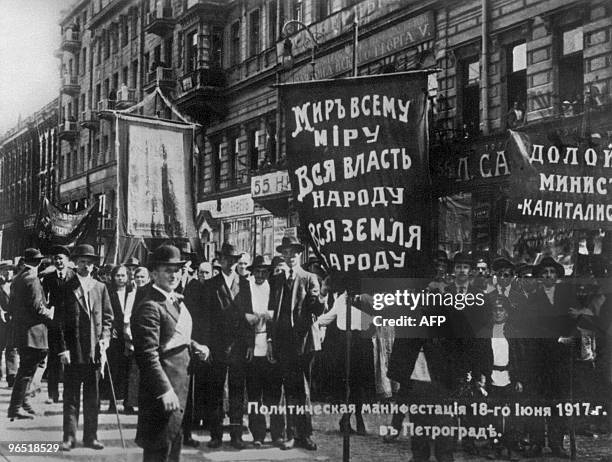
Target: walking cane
x=112, y=387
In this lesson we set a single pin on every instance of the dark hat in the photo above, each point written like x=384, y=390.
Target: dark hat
x=259, y=262
x=501, y=263
x=524, y=268
x=166, y=255
x=60, y=250
x=277, y=260
x=480, y=257
x=290, y=242
x=461, y=257
x=440, y=256
x=132, y=261
x=229, y=250
x=549, y=261
x=32, y=254
x=84, y=250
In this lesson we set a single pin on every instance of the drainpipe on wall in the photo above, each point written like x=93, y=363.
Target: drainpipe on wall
x=484, y=85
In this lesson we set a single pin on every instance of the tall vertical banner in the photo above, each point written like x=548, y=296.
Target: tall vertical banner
x=358, y=165
x=155, y=184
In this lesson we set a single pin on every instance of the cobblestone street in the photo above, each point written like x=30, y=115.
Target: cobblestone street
x=47, y=427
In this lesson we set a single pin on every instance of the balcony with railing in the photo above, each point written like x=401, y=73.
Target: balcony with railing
x=202, y=91
x=160, y=21
x=71, y=40
x=70, y=85
x=90, y=119
x=210, y=8
x=162, y=77
x=126, y=97
x=68, y=130
x=106, y=107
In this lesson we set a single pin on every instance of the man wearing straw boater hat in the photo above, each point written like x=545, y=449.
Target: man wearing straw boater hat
x=230, y=336
x=295, y=302
x=30, y=315
x=161, y=329
x=85, y=320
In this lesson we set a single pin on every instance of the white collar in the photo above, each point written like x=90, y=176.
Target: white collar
x=168, y=295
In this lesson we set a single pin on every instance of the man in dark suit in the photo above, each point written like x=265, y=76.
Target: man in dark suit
x=84, y=335
x=468, y=318
x=230, y=337
x=161, y=328
x=30, y=314
x=53, y=285
x=294, y=299
x=507, y=286
x=7, y=270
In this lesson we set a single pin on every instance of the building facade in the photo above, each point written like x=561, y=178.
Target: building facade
x=534, y=65
x=28, y=173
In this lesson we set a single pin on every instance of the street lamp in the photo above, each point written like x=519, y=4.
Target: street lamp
x=288, y=45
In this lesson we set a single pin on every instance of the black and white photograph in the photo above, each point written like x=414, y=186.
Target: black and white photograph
x=306, y=230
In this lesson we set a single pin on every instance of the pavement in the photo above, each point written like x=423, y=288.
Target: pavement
x=46, y=427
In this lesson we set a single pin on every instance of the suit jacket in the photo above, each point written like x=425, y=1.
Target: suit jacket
x=230, y=334
x=75, y=318
x=153, y=324
x=54, y=291
x=304, y=305
x=28, y=309
x=197, y=300
x=447, y=360
x=483, y=363
x=467, y=321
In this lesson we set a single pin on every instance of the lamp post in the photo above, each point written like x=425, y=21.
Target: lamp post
x=288, y=45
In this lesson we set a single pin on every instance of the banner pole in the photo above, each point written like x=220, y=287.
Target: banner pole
x=117, y=193
x=346, y=442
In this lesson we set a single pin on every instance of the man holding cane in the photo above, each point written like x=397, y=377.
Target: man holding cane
x=85, y=319
x=161, y=329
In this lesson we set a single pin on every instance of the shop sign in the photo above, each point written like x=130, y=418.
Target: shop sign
x=462, y=166
x=562, y=184
x=229, y=206
x=341, y=23
x=406, y=34
x=270, y=184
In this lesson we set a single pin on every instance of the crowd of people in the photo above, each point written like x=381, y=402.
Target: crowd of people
x=183, y=346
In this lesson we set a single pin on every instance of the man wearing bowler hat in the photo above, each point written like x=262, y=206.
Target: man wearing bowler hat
x=294, y=299
x=29, y=318
x=230, y=337
x=53, y=285
x=85, y=321
x=506, y=286
x=161, y=328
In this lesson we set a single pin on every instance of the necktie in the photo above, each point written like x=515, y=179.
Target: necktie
x=291, y=274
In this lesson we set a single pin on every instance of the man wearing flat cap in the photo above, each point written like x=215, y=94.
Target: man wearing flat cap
x=29, y=317
x=230, y=336
x=161, y=329
x=294, y=299
x=53, y=285
x=85, y=322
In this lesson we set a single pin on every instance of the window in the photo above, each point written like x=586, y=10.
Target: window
x=254, y=32
x=125, y=30
x=253, y=148
x=180, y=44
x=134, y=74
x=235, y=43
x=192, y=51
x=146, y=62
x=516, y=89
x=98, y=94
x=470, y=100
x=134, y=23
x=168, y=52
x=115, y=37
x=98, y=50
x=96, y=149
x=106, y=37
x=571, y=70
x=216, y=163
x=156, y=58
x=84, y=61
x=124, y=75
x=272, y=10
x=115, y=82
x=232, y=157
x=104, y=149
x=82, y=101
x=271, y=140
x=238, y=232
x=82, y=159
x=216, y=57
x=106, y=88
x=296, y=10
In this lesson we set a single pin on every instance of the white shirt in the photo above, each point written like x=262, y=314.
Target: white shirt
x=550, y=293
x=359, y=319
x=501, y=356
x=86, y=283
x=229, y=280
x=260, y=295
x=182, y=330
x=121, y=296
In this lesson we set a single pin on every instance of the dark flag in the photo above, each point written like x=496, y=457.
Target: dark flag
x=358, y=164
x=54, y=226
